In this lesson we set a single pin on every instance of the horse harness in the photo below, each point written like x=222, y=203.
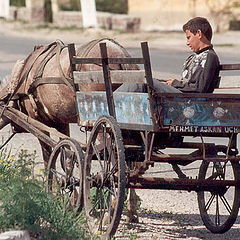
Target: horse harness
x=49, y=51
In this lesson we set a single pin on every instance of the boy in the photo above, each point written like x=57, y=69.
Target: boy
x=200, y=73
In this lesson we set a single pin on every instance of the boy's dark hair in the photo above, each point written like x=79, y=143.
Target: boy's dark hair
x=199, y=23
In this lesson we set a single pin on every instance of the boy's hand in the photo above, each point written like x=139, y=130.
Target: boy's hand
x=169, y=81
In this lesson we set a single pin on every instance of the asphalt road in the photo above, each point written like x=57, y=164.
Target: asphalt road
x=168, y=61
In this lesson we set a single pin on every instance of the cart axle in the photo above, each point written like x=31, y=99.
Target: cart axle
x=180, y=184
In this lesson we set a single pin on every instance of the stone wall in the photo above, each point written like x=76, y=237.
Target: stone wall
x=74, y=18
x=34, y=15
x=105, y=20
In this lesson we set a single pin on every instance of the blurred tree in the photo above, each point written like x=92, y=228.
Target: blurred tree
x=48, y=11
x=72, y=5
x=113, y=6
x=17, y=3
x=219, y=8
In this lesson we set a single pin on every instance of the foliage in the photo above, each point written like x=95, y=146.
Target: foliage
x=234, y=25
x=73, y=5
x=218, y=8
x=26, y=205
x=113, y=6
x=48, y=17
x=17, y=3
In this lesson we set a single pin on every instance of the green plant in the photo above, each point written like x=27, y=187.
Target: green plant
x=72, y=5
x=234, y=25
x=26, y=205
x=113, y=6
x=133, y=236
x=17, y=3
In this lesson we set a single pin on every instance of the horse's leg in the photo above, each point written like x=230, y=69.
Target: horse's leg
x=132, y=201
x=3, y=122
x=46, y=151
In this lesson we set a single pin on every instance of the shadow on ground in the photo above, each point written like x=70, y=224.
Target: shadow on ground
x=167, y=225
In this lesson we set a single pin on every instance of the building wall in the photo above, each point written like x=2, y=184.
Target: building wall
x=170, y=14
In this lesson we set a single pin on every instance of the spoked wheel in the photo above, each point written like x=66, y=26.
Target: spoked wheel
x=104, y=177
x=219, y=208
x=65, y=178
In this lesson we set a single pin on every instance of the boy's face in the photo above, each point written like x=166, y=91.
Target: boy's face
x=193, y=41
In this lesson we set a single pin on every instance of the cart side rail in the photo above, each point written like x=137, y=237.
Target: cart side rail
x=113, y=78
x=117, y=77
x=226, y=81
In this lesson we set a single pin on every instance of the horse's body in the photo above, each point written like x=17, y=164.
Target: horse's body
x=56, y=102
x=51, y=100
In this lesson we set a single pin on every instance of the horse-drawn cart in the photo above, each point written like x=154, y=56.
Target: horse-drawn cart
x=129, y=133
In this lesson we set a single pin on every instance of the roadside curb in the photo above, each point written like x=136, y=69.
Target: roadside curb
x=15, y=235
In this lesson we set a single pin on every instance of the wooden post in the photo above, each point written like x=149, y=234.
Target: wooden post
x=107, y=80
x=148, y=73
x=35, y=8
x=89, y=17
x=71, y=52
x=55, y=7
x=4, y=8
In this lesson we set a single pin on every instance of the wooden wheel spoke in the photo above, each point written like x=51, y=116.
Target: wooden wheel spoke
x=63, y=180
x=111, y=150
x=74, y=184
x=219, y=210
x=106, y=175
x=207, y=206
x=111, y=191
x=217, y=216
x=56, y=173
x=219, y=170
x=72, y=164
x=110, y=173
x=213, y=176
x=98, y=156
x=226, y=204
x=97, y=200
x=107, y=207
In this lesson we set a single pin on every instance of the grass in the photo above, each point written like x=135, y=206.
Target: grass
x=25, y=205
x=224, y=45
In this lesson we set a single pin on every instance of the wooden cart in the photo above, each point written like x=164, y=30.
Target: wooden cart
x=128, y=133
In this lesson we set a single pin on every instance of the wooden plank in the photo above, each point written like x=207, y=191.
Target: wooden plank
x=131, y=108
x=230, y=82
x=126, y=60
x=226, y=67
x=117, y=76
x=38, y=124
x=72, y=52
x=107, y=80
x=202, y=115
x=80, y=60
x=28, y=127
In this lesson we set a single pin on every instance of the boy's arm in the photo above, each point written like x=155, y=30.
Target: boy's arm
x=202, y=77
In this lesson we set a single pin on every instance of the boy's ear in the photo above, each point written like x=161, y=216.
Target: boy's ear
x=199, y=32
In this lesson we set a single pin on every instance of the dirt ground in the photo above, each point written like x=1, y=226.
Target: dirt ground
x=164, y=214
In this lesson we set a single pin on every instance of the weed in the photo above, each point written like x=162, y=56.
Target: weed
x=26, y=205
x=224, y=45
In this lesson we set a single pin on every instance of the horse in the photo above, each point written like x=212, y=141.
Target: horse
x=41, y=86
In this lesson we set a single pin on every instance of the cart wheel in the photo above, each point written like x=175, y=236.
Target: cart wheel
x=65, y=178
x=104, y=177
x=219, y=208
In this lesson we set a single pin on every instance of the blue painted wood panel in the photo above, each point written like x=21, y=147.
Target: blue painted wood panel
x=201, y=112
x=130, y=108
